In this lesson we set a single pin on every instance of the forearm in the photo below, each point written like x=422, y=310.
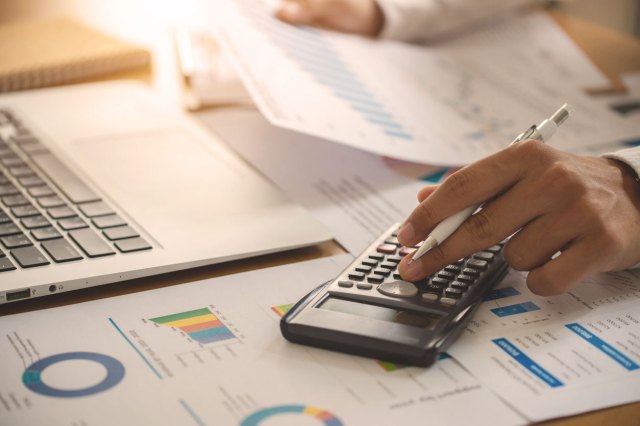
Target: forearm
x=422, y=20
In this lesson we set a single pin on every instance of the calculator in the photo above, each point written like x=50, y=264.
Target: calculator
x=369, y=310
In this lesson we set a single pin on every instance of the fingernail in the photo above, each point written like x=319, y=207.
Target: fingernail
x=412, y=270
x=406, y=234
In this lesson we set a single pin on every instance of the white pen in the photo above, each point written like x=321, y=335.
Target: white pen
x=541, y=132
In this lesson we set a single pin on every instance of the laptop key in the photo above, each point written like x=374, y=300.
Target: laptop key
x=8, y=189
x=72, y=223
x=40, y=191
x=109, y=221
x=24, y=211
x=15, y=200
x=45, y=234
x=9, y=229
x=34, y=148
x=35, y=222
x=4, y=218
x=21, y=171
x=132, y=244
x=61, y=212
x=29, y=257
x=53, y=201
x=6, y=265
x=15, y=241
x=61, y=251
x=91, y=243
x=123, y=232
x=30, y=181
x=95, y=209
x=67, y=181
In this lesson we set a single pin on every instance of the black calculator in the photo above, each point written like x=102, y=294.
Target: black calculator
x=369, y=310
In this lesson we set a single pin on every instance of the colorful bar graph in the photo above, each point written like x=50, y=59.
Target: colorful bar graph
x=282, y=309
x=200, y=324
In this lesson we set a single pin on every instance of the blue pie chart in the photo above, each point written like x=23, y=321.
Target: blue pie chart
x=32, y=376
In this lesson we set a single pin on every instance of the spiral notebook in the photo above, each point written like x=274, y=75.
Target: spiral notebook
x=57, y=51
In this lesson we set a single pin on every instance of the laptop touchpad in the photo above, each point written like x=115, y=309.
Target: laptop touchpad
x=172, y=182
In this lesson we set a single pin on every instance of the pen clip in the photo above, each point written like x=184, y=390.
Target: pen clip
x=526, y=134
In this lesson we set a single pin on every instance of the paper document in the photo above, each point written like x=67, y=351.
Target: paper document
x=357, y=195
x=450, y=104
x=562, y=355
x=211, y=353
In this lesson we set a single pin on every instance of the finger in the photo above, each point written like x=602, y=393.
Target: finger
x=563, y=272
x=296, y=12
x=539, y=240
x=495, y=222
x=425, y=192
x=471, y=185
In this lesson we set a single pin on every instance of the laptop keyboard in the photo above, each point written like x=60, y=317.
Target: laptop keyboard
x=48, y=214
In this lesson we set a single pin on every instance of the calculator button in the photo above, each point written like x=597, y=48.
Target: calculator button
x=383, y=272
x=345, y=283
x=465, y=279
x=446, y=275
x=398, y=289
x=370, y=262
x=397, y=276
x=386, y=249
x=388, y=265
x=452, y=268
x=406, y=250
x=477, y=264
x=440, y=282
x=432, y=288
x=376, y=256
x=447, y=301
x=457, y=284
x=375, y=278
x=358, y=276
x=494, y=249
x=471, y=272
x=429, y=297
x=484, y=255
x=364, y=286
x=454, y=293
x=394, y=259
x=392, y=240
x=363, y=268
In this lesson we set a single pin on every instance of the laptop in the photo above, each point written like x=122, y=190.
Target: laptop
x=101, y=183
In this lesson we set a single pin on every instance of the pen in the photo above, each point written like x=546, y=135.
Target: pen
x=541, y=132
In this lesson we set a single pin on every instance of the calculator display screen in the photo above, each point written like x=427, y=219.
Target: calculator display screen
x=383, y=313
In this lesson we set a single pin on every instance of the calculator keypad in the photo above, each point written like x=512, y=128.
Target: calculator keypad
x=376, y=271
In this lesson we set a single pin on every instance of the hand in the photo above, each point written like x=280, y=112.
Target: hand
x=587, y=208
x=362, y=17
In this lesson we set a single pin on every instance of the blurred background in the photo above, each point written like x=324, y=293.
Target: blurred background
x=622, y=15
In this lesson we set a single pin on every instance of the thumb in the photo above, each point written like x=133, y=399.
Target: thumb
x=295, y=12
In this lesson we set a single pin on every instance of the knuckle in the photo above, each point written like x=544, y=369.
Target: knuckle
x=565, y=178
x=479, y=227
x=458, y=183
x=427, y=215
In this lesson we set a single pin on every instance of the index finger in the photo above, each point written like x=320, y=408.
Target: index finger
x=468, y=186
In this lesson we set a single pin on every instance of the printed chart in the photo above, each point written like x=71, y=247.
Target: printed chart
x=433, y=105
x=200, y=325
x=173, y=343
